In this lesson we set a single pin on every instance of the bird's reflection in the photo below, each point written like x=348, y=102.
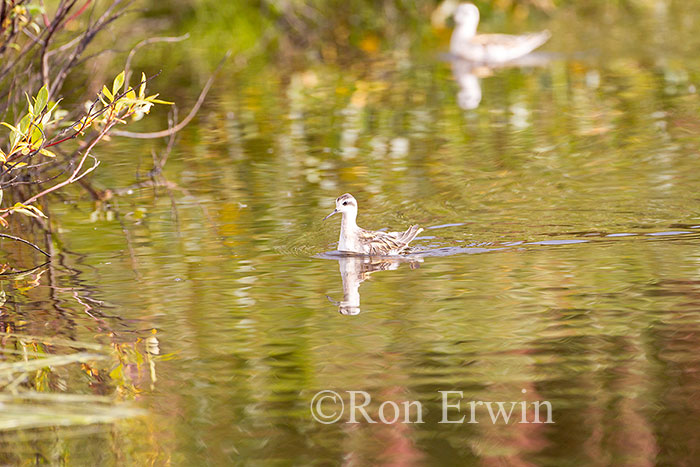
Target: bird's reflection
x=468, y=73
x=356, y=269
x=469, y=95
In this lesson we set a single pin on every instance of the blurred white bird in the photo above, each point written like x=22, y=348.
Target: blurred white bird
x=489, y=48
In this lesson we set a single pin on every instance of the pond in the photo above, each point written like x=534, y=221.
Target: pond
x=559, y=268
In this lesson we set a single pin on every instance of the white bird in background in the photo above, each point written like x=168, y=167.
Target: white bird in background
x=489, y=48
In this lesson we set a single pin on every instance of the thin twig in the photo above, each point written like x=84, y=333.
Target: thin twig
x=24, y=271
x=159, y=164
x=150, y=40
x=11, y=237
x=55, y=24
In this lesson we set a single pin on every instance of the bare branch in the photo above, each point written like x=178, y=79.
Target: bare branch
x=150, y=40
x=27, y=242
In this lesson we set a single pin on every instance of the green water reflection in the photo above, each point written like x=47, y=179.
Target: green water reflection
x=527, y=282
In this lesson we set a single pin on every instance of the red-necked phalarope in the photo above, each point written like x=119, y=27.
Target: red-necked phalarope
x=354, y=239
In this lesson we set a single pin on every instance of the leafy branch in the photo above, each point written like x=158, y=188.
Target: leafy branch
x=28, y=138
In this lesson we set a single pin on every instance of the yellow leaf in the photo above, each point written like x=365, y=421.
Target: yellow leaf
x=10, y=127
x=142, y=88
x=158, y=101
x=27, y=210
x=107, y=94
x=118, y=83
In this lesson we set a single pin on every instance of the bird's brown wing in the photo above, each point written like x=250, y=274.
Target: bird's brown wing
x=408, y=236
x=511, y=41
x=381, y=243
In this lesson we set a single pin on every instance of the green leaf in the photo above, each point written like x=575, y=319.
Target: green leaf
x=41, y=99
x=48, y=115
x=35, y=10
x=118, y=83
x=37, y=135
x=24, y=124
x=30, y=107
x=15, y=135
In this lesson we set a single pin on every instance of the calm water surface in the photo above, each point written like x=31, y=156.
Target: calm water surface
x=560, y=263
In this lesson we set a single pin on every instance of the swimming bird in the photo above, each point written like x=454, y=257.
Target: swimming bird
x=489, y=48
x=355, y=239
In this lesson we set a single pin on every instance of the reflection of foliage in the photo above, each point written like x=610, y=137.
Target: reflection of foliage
x=136, y=363
x=66, y=368
x=56, y=379
x=38, y=377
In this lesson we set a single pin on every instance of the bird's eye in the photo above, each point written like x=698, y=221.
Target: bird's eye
x=345, y=203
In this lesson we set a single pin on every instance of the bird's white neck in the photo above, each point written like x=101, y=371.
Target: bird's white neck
x=462, y=35
x=348, y=227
